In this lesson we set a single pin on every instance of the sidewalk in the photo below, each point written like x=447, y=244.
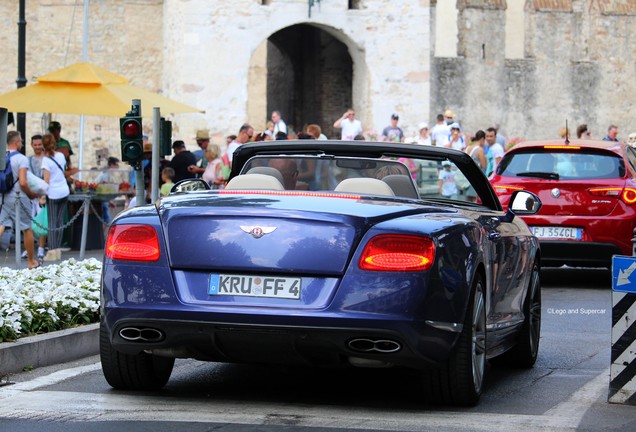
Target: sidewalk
x=7, y=258
x=51, y=348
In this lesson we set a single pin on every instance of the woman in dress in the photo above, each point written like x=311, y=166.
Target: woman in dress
x=53, y=169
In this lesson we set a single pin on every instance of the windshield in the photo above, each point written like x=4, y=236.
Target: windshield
x=565, y=165
x=407, y=177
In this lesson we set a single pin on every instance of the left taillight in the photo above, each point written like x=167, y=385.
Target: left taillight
x=132, y=242
x=397, y=253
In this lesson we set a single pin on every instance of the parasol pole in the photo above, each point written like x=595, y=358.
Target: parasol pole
x=80, y=163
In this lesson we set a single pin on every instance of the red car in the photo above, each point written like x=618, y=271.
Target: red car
x=588, y=191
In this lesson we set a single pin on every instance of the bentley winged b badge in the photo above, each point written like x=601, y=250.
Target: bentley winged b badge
x=257, y=231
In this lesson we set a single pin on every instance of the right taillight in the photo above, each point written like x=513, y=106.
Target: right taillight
x=398, y=253
x=628, y=195
x=132, y=242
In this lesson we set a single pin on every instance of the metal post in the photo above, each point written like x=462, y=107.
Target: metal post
x=87, y=202
x=16, y=227
x=21, y=81
x=156, y=139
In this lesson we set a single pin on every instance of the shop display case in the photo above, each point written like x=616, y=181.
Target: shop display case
x=105, y=182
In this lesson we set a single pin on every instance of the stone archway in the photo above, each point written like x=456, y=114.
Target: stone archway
x=309, y=78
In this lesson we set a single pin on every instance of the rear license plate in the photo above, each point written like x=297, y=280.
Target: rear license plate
x=555, y=232
x=255, y=286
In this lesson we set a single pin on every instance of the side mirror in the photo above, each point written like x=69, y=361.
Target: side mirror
x=522, y=203
x=189, y=185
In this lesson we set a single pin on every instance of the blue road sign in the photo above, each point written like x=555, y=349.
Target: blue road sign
x=624, y=273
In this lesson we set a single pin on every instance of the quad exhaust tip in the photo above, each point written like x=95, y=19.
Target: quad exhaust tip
x=143, y=334
x=369, y=345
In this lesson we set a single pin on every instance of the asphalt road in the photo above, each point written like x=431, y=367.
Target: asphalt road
x=566, y=390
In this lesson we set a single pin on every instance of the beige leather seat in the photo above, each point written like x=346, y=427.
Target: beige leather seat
x=369, y=186
x=254, y=181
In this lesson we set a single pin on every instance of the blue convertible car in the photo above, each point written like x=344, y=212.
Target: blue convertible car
x=350, y=254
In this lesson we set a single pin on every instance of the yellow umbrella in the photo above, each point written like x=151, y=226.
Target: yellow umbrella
x=84, y=88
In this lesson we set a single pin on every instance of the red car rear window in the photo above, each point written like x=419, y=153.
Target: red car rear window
x=562, y=165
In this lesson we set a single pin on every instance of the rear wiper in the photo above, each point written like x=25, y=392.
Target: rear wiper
x=543, y=175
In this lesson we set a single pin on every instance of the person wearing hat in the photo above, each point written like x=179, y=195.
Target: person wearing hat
x=446, y=181
x=62, y=145
x=455, y=139
x=203, y=141
x=449, y=117
x=393, y=132
x=181, y=161
x=423, y=137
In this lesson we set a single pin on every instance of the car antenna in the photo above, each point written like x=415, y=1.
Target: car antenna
x=567, y=133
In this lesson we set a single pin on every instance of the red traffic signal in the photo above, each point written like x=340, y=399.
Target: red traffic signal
x=131, y=128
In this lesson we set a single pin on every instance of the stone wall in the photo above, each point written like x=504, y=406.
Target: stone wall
x=577, y=66
x=576, y=61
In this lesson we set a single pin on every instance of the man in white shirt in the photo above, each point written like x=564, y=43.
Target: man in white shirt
x=440, y=132
x=279, y=124
x=19, y=167
x=349, y=124
x=495, y=150
x=245, y=135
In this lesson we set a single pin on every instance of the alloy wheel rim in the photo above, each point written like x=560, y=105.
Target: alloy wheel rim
x=535, y=312
x=478, y=349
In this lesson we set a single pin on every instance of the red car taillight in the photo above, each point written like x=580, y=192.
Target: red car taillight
x=132, y=242
x=628, y=195
x=397, y=252
x=506, y=189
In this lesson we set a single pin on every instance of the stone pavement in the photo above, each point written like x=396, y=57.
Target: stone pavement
x=52, y=348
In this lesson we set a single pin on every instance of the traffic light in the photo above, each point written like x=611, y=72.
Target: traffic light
x=165, y=149
x=132, y=144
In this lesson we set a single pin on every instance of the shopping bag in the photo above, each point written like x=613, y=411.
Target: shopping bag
x=41, y=228
x=36, y=184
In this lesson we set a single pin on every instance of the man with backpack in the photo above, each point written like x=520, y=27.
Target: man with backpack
x=12, y=181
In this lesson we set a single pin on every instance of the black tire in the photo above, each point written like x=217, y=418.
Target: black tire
x=459, y=381
x=132, y=371
x=524, y=354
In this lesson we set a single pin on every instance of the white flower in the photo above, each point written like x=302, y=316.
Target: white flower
x=48, y=291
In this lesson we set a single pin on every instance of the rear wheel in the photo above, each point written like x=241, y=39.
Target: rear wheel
x=524, y=353
x=459, y=381
x=132, y=371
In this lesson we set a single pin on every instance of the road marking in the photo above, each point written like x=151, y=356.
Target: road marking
x=24, y=400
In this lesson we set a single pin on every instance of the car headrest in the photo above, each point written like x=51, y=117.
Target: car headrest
x=402, y=185
x=254, y=181
x=362, y=185
x=271, y=171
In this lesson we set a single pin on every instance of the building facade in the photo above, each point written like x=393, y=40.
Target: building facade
x=527, y=65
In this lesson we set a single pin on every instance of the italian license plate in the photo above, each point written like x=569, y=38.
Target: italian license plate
x=255, y=286
x=555, y=232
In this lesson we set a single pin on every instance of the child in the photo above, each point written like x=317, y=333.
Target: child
x=167, y=176
x=447, y=187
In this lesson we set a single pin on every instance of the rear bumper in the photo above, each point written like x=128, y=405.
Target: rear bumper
x=320, y=345
x=555, y=253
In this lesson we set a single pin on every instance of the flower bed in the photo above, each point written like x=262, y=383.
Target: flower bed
x=49, y=298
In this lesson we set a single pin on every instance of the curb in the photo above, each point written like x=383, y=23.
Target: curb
x=49, y=349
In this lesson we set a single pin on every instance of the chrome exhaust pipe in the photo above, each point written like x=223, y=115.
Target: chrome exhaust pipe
x=135, y=334
x=367, y=345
